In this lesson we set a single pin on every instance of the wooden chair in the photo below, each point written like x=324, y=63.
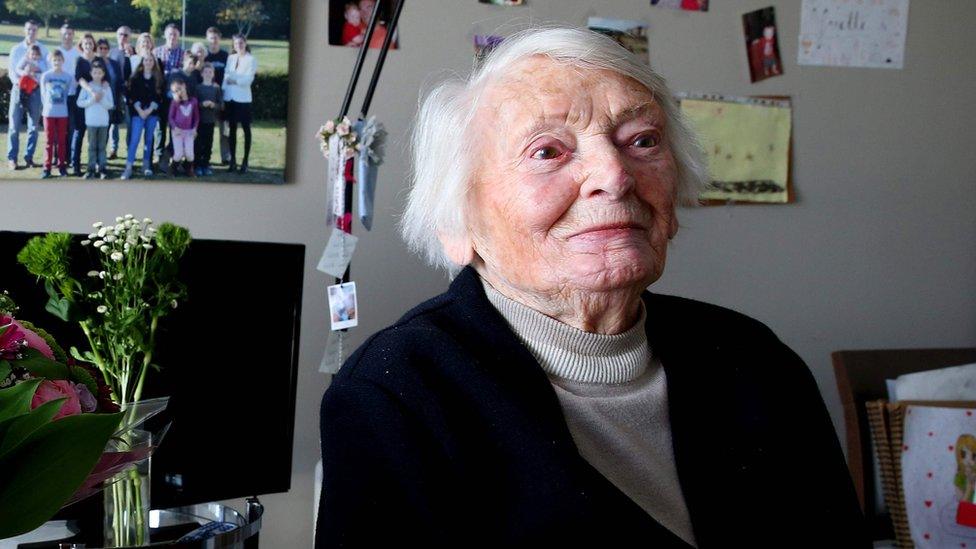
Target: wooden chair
x=861, y=377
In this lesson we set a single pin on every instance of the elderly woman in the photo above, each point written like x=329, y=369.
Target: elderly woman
x=547, y=397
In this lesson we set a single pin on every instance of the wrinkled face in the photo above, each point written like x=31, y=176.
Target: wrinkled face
x=576, y=185
x=122, y=35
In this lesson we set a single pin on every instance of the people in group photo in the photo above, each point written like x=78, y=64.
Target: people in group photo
x=169, y=102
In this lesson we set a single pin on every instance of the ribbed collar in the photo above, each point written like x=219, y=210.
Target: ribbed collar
x=572, y=354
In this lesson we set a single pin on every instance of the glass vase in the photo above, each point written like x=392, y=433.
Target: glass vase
x=126, y=496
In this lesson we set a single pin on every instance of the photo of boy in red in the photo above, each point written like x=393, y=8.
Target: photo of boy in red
x=762, y=47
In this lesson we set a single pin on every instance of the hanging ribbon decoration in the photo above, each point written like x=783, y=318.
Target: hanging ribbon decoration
x=355, y=150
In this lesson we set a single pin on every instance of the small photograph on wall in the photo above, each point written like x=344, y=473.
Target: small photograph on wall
x=483, y=44
x=195, y=91
x=687, y=5
x=501, y=2
x=630, y=34
x=349, y=20
x=762, y=44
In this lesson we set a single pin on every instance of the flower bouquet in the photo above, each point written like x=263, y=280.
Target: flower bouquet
x=61, y=433
x=117, y=304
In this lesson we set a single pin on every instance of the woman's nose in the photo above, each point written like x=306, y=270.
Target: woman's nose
x=606, y=173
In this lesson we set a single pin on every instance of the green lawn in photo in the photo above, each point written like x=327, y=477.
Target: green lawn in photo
x=266, y=165
x=272, y=55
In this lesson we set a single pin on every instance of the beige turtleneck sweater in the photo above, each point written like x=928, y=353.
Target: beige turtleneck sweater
x=614, y=398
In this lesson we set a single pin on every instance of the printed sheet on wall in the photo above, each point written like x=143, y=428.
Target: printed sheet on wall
x=746, y=141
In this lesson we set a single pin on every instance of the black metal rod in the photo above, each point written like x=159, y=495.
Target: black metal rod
x=363, y=48
x=387, y=40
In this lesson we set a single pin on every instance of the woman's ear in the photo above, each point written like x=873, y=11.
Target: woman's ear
x=458, y=248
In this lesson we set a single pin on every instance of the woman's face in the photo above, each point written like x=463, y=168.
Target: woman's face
x=576, y=185
x=144, y=45
x=240, y=46
x=87, y=45
x=148, y=62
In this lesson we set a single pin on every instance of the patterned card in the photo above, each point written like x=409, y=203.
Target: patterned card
x=939, y=475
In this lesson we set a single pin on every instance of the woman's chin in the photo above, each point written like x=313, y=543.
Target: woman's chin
x=615, y=272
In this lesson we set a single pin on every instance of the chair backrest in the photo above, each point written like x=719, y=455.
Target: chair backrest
x=861, y=377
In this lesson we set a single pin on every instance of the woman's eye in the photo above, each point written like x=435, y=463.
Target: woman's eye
x=546, y=153
x=647, y=141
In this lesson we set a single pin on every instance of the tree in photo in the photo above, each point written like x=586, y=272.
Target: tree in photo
x=45, y=10
x=160, y=11
x=246, y=14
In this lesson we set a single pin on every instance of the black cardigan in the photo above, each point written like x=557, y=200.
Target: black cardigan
x=444, y=430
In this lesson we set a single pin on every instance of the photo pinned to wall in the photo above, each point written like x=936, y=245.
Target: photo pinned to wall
x=502, y=2
x=840, y=33
x=630, y=34
x=746, y=141
x=762, y=44
x=483, y=44
x=228, y=124
x=686, y=5
x=349, y=19
x=343, y=306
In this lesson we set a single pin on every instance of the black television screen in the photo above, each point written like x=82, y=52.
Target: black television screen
x=229, y=363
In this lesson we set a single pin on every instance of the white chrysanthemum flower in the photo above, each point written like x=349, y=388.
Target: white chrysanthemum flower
x=173, y=304
x=92, y=273
x=99, y=243
x=104, y=249
x=128, y=216
x=101, y=274
x=118, y=219
x=102, y=232
x=146, y=220
x=92, y=235
x=119, y=228
x=117, y=276
x=147, y=246
x=85, y=242
x=145, y=238
x=102, y=309
x=151, y=230
x=110, y=238
x=117, y=256
x=97, y=224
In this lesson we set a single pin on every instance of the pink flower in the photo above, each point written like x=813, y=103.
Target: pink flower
x=10, y=340
x=52, y=390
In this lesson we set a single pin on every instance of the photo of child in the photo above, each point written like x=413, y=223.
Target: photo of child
x=349, y=20
x=342, y=305
x=630, y=34
x=762, y=47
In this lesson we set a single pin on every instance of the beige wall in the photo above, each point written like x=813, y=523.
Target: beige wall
x=878, y=252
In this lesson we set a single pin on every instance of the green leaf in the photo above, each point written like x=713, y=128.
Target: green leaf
x=5, y=369
x=88, y=357
x=40, y=366
x=50, y=465
x=17, y=429
x=16, y=400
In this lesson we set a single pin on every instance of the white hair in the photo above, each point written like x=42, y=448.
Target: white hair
x=443, y=155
